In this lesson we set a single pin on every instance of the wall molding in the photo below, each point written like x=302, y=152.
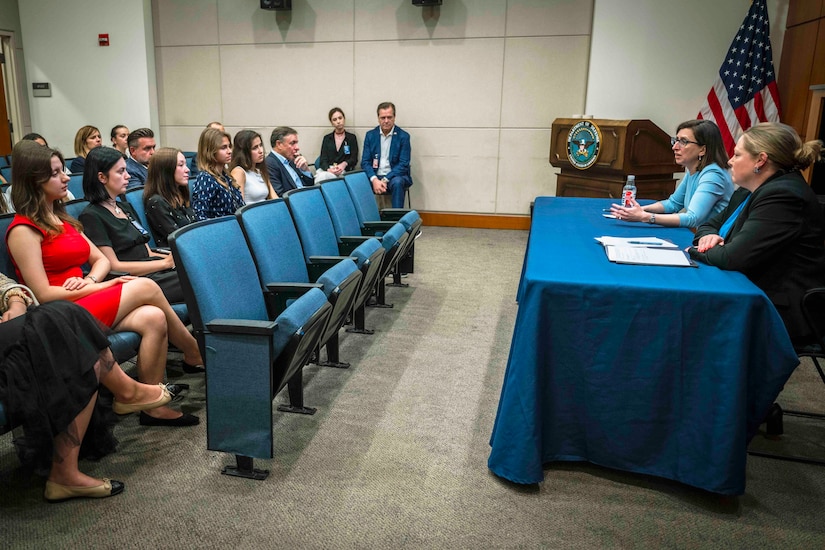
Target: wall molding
x=475, y=221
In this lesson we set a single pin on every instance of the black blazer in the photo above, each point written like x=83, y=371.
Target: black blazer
x=280, y=178
x=778, y=242
x=330, y=155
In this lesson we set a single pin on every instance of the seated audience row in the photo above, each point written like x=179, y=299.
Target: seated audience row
x=48, y=249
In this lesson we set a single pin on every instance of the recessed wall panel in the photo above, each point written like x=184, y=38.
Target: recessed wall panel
x=549, y=17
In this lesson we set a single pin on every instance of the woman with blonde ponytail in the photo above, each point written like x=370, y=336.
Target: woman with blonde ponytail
x=773, y=230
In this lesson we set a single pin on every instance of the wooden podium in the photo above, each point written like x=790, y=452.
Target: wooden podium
x=622, y=147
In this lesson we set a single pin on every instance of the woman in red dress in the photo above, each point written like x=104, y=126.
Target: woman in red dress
x=48, y=249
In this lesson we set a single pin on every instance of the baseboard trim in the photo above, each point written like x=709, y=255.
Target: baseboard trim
x=475, y=221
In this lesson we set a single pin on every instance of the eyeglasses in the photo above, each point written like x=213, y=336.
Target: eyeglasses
x=683, y=142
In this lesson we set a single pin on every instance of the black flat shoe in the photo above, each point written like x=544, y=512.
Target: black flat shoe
x=774, y=425
x=185, y=420
x=176, y=389
x=192, y=369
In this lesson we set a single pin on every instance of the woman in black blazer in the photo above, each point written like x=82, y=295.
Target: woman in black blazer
x=339, y=149
x=773, y=230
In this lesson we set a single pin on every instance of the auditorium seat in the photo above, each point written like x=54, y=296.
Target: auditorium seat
x=248, y=356
x=76, y=186
x=346, y=221
x=275, y=246
x=367, y=209
x=318, y=240
x=135, y=198
x=348, y=231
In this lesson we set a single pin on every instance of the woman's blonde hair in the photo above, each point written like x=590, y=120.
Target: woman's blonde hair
x=782, y=144
x=209, y=144
x=80, y=148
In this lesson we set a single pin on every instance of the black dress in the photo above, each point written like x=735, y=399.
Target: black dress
x=48, y=374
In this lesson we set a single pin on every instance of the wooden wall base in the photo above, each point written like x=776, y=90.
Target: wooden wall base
x=476, y=221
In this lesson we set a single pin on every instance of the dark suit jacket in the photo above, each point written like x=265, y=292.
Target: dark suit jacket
x=330, y=155
x=777, y=241
x=137, y=173
x=280, y=177
x=400, y=152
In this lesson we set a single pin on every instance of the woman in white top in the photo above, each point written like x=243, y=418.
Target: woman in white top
x=248, y=167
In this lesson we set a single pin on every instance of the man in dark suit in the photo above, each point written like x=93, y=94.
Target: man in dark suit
x=386, y=159
x=287, y=168
x=141, y=148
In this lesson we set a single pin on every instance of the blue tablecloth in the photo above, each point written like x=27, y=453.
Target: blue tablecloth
x=665, y=371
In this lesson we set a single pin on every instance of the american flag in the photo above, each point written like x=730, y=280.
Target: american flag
x=745, y=91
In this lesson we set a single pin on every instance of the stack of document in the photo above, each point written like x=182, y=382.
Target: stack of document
x=644, y=251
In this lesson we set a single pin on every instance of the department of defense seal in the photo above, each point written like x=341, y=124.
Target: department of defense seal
x=583, y=144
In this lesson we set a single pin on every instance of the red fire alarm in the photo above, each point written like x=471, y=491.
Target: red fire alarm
x=102, y=39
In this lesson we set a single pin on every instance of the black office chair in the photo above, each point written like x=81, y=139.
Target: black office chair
x=813, y=308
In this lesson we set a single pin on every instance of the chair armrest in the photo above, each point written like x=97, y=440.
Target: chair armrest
x=350, y=243
x=372, y=228
x=277, y=294
x=321, y=263
x=242, y=326
x=162, y=250
x=393, y=214
x=115, y=274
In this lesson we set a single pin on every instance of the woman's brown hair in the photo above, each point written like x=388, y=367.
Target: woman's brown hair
x=80, y=138
x=31, y=168
x=161, y=178
x=209, y=144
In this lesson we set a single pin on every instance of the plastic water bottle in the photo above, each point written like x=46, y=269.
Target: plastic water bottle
x=629, y=191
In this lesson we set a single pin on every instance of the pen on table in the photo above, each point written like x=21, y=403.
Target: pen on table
x=644, y=242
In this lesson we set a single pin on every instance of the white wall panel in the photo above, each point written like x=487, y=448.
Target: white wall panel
x=524, y=172
x=185, y=22
x=289, y=85
x=544, y=78
x=549, y=17
x=189, y=85
x=445, y=83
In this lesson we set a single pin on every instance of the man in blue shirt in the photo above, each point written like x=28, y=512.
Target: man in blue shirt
x=287, y=167
x=386, y=159
x=141, y=148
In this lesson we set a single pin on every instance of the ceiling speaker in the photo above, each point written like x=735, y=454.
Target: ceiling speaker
x=280, y=5
x=422, y=3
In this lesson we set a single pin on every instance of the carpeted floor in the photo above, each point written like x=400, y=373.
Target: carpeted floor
x=396, y=455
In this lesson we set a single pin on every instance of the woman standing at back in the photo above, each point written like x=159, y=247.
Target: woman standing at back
x=214, y=194
x=166, y=194
x=248, y=167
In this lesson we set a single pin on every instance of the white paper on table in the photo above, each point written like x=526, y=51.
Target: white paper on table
x=648, y=256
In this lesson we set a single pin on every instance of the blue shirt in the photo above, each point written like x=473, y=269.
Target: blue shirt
x=701, y=195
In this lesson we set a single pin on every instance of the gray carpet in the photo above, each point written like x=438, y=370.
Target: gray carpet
x=396, y=455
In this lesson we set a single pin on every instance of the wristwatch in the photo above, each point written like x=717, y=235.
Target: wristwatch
x=652, y=218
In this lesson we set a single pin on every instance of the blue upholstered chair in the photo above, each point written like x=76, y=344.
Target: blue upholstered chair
x=279, y=258
x=135, y=198
x=309, y=209
x=76, y=186
x=363, y=198
x=249, y=357
x=346, y=221
x=6, y=172
x=75, y=207
x=318, y=240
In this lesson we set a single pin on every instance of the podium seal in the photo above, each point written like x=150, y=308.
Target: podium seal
x=583, y=142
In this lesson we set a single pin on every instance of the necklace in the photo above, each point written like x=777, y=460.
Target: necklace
x=114, y=205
